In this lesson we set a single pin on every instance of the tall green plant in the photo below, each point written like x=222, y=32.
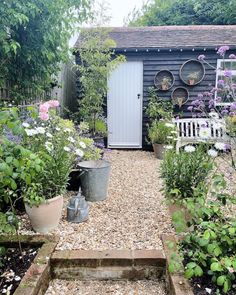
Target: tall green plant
x=97, y=61
x=184, y=171
x=34, y=39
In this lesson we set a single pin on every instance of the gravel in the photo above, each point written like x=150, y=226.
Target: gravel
x=144, y=287
x=132, y=217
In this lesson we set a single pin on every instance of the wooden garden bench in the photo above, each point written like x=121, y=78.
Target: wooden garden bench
x=188, y=131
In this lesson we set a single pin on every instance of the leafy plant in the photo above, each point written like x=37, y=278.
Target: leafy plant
x=193, y=75
x=209, y=246
x=158, y=108
x=184, y=171
x=97, y=61
x=161, y=132
x=34, y=39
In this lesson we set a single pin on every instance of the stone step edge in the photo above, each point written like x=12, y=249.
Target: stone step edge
x=95, y=258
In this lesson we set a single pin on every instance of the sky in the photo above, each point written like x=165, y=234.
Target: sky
x=119, y=9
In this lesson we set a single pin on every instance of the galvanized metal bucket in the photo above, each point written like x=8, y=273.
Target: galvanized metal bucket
x=94, y=179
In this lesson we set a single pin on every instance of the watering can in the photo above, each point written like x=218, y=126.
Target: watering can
x=77, y=209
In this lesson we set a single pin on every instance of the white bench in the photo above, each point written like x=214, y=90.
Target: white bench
x=189, y=131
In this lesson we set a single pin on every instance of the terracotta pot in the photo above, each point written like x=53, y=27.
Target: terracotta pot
x=164, y=87
x=191, y=82
x=46, y=216
x=159, y=150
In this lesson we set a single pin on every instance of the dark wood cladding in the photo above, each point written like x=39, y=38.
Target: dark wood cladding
x=172, y=61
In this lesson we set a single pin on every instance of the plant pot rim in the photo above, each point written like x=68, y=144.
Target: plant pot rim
x=95, y=164
x=47, y=201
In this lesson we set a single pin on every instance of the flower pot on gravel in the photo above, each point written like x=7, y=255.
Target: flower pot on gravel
x=94, y=179
x=46, y=216
x=159, y=150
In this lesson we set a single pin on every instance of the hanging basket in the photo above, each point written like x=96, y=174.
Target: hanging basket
x=164, y=80
x=180, y=96
x=192, y=72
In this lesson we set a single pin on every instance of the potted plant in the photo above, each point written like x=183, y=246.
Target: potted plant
x=165, y=83
x=193, y=78
x=161, y=133
x=179, y=101
x=51, y=139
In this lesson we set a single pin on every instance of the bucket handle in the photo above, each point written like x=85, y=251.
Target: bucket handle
x=76, y=207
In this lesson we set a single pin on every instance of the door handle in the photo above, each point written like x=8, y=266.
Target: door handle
x=138, y=95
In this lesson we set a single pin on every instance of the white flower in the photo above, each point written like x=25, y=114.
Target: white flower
x=66, y=148
x=58, y=129
x=220, y=146
x=67, y=130
x=171, y=125
x=40, y=130
x=208, y=290
x=79, y=153
x=170, y=137
x=49, y=135
x=189, y=149
x=71, y=139
x=205, y=132
x=82, y=144
x=174, y=132
x=31, y=132
x=26, y=125
x=212, y=153
x=48, y=146
x=168, y=147
x=214, y=115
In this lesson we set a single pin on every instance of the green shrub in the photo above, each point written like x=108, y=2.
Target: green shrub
x=209, y=247
x=184, y=171
x=161, y=132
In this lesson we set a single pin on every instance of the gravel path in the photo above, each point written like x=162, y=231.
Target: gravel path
x=133, y=216
x=145, y=287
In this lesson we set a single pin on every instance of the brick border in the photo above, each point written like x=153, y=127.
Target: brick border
x=176, y=282
x=37, y=277
x=126, y=264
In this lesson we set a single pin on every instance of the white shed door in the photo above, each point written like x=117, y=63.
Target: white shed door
x=124, y=106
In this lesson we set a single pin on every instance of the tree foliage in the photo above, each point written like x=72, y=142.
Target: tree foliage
x=34, y=37
x=184, y=12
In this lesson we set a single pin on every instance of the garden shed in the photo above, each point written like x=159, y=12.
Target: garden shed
x=166, y=58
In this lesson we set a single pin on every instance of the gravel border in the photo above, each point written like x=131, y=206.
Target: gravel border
x=142, y=287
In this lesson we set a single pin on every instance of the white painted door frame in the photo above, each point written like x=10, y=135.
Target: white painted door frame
x=125, y=106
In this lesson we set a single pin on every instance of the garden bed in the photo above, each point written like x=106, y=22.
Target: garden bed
x=29, y=274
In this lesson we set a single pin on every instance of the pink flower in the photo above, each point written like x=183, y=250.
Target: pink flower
x=43, y=116
x=221, y=51
x=44, y=107
x=201, y=57
x=232, y=56
x=53, y=103
x=228, y=73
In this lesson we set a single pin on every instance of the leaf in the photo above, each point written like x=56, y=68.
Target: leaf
x=198, y=271
x=189, y=273
x=215, y=266
x=220, y=280
x=226, y=286
x=191, y=265
x=217, y=251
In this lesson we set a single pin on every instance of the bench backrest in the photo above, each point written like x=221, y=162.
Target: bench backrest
x=189, y=128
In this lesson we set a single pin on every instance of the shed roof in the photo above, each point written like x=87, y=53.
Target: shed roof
x=172, y=36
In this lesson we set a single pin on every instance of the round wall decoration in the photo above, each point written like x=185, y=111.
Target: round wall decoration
x=192, y=72
x=164, y=80
x=180, y=96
